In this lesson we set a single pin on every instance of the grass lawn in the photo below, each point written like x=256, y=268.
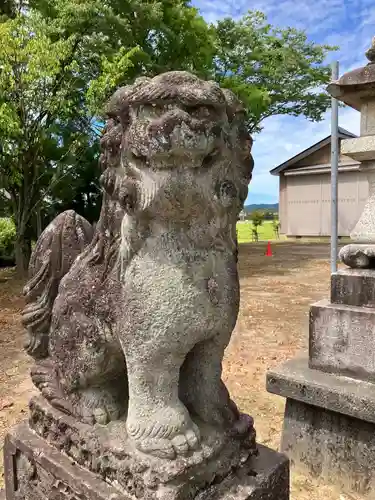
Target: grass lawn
x=265, y=231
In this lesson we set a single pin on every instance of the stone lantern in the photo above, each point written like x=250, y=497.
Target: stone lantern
x=357, y=89
x=329, y=423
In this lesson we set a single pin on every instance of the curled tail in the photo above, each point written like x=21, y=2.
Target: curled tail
x=56, y=249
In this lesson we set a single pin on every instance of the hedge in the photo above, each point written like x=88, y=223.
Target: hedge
x=7, y=239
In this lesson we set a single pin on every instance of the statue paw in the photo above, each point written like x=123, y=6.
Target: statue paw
x=179, y=445
x=97, y=406
x=100, y=415
x=223, y=414
x=243, y=426
x=215, y=409
x=169, y=434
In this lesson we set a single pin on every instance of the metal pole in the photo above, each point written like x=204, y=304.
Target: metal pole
x=334, y=171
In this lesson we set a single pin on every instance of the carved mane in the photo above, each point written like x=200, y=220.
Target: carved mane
x=56, y=250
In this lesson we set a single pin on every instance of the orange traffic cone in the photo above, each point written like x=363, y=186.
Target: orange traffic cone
x=269, y=250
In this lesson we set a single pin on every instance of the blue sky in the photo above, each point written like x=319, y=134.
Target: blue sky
x=346, y=23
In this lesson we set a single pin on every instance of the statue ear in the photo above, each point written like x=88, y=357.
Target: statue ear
x=126, y=195
x=108, y=181
x=126, y=200
x=226, y=191
x=124, y=191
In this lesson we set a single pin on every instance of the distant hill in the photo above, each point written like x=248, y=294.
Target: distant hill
x=261, y=206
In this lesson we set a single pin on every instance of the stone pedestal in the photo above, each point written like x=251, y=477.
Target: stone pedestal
x=54, y=457
x=34, y=470
x=329, y=424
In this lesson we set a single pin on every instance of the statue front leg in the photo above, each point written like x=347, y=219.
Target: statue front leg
x=158, y=423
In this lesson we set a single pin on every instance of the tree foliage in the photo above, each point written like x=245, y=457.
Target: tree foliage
x=8, y=9
x=61, y=59
x=276, y=226
x=122, y=39
x=274, y=71
x=80, y=190
x=257, y=218
x=7, y=238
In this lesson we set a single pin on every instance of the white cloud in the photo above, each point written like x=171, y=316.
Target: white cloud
x=291, y=147
x=346, y=23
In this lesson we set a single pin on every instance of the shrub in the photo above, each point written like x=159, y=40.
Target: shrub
x=276, y=227
x=7, y=238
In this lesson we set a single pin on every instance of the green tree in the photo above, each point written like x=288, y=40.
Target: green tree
x=159, y=36
x=8, y=9
x=60, y=60
x=274, y=71
x=257, y=219
x=79, y=190
x=36, y=104
x=276, y=226
x=58, y=63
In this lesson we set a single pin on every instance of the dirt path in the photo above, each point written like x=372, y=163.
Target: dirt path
x=15, y=385
x=272, y=327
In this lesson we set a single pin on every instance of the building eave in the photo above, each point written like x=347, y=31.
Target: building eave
x=322, y=169
x=343, y=134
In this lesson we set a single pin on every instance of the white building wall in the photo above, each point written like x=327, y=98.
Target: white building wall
x=305, y=209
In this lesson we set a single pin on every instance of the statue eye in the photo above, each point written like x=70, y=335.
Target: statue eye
x=202, y=110
x=226, y=190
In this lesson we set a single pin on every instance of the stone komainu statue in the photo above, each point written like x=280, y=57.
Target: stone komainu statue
x=131, y=321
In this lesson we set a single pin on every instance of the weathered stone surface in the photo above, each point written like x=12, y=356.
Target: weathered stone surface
x=333, y=447
x=368, y=118
x=128, y=322
x=60, y=244
x=360, y=148
x=37, y=471
x=356, y=87
x=142, y=317
x=341, y=340
x=105, y=450
x=295, y=380
x=329, y=425
x=264, y=477
x=353, y=287
x=358, y=256
x=364, y=230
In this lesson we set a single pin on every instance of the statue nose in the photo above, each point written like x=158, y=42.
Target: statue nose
x=185, y=139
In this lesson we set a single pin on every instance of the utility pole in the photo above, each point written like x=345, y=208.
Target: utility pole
x=334, y=171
